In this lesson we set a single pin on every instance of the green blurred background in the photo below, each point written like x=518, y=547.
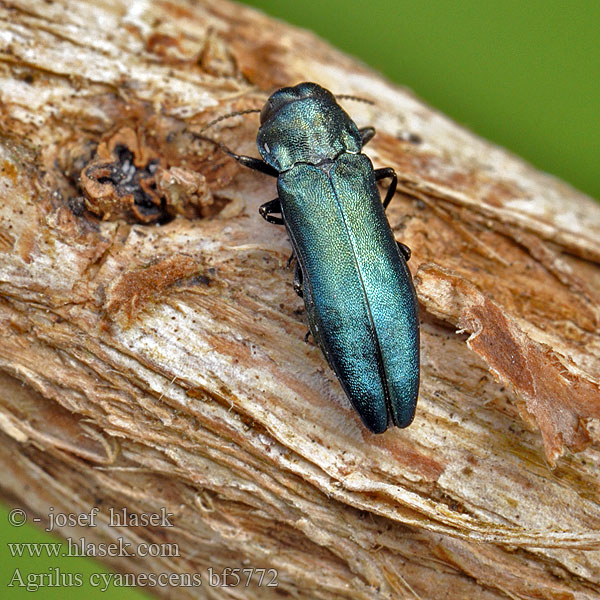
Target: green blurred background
x=524, y=74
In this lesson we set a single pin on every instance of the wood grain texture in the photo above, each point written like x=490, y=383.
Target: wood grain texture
x=152, y=354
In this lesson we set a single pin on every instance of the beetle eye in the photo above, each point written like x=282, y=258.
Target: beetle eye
x=266, y=111
x=274, y=103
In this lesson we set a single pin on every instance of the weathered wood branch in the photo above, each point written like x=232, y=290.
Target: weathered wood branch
x=152, y=351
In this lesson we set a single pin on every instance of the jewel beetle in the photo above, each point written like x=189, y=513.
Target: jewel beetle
x=359, y=296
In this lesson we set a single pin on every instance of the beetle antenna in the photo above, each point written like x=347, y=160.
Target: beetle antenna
x=218, y=144
x=351, y=97
x=229, y=116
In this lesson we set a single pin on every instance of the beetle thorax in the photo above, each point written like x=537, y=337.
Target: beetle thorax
x=308, y=130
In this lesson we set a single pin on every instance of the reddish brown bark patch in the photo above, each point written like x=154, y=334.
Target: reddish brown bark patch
x=9, y=170
x=138, y=287
x=552, y=392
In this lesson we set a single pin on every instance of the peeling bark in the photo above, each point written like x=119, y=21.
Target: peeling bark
x=152, y=350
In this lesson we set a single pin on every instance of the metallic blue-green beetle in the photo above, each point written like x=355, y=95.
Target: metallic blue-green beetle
x=360, y=300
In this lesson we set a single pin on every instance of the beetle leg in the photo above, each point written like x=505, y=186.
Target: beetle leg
x=404, y=250
x=366, y=134
x=267, y=209
x=298, y=281
x=255, y=164
x=382, y=174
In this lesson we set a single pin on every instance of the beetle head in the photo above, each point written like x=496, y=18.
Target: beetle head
x=284, y=96
x=305, y=124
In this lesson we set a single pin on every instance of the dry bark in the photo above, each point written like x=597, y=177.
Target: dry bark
x=152, y=353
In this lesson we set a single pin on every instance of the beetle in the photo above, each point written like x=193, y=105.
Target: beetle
x=359, y=296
